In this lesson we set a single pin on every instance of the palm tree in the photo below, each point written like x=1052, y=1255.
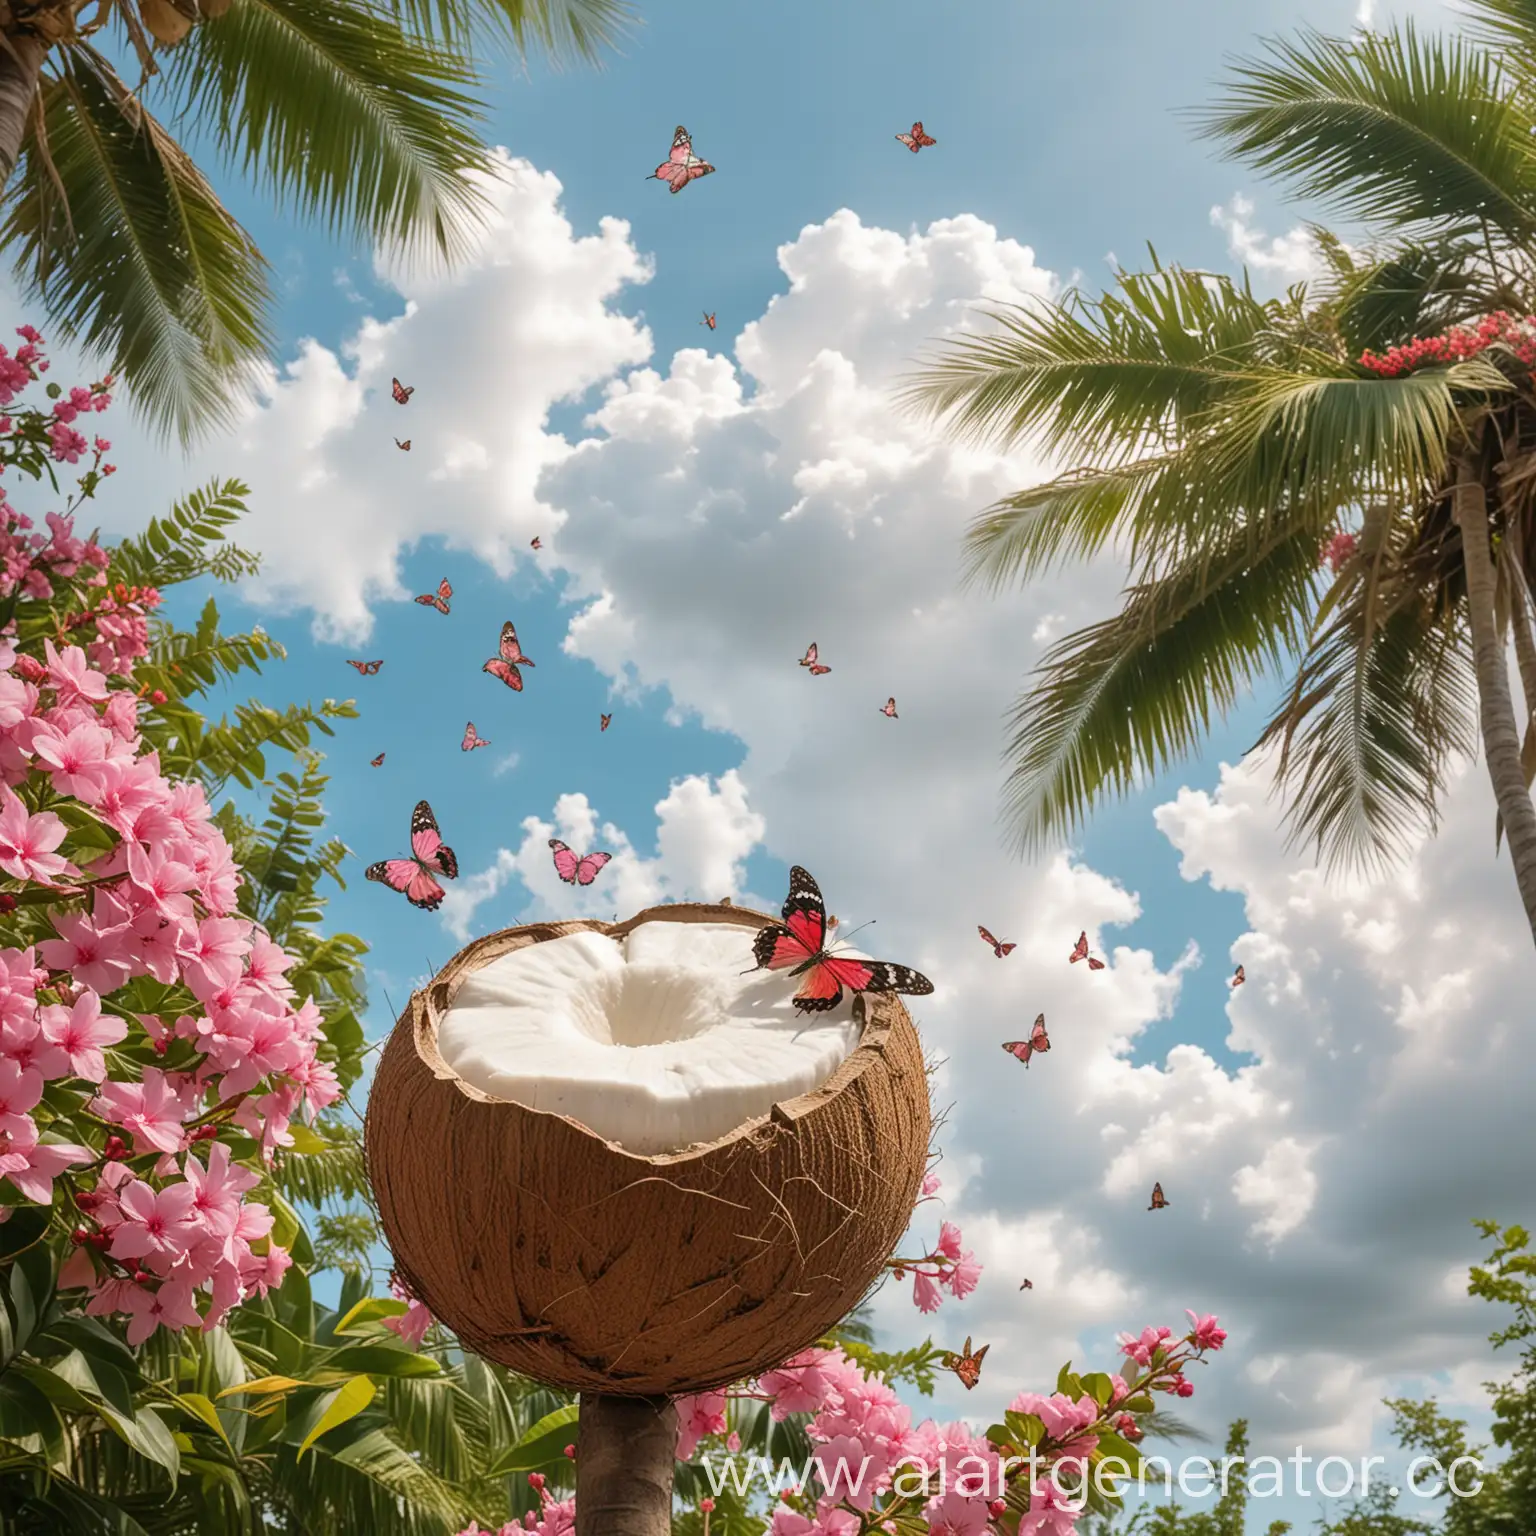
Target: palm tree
x=358, y=113
x=1220, y=440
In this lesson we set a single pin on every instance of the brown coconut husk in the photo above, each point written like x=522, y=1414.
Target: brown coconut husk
x=590, y=1268
x=168, y=21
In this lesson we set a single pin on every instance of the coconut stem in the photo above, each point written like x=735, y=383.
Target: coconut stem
x=627, y=1450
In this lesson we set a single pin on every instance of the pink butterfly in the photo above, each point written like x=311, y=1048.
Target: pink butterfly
x=415, y=876
x=536, y=543
x=471, y=740
x=889, y=708
x=1080, y=952
x=1037, y=1045
x=505, y=666
x=915, y=140
x=439, y=599
x=812, y=660
x=999, y=948
x=575, y=871
x=682, y=165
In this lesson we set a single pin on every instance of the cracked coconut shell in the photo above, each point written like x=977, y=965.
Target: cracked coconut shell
x=590, y=1268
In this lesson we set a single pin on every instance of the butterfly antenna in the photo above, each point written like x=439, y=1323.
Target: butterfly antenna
x=843, y=938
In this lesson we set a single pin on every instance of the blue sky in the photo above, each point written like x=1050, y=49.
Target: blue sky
x=1058, y=127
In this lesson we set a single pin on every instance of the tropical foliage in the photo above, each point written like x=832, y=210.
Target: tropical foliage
x=361, y=114
x=1339, y=480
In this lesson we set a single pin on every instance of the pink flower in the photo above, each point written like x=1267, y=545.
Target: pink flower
x=93, y=956
x=171, y=1305
x=698, y=1415
x=412, y=1324
x=953, y=1515
x=930, y=1184
x=157, y=1224
x=949, y=1240
x=150, y=1110
x=926, y=1296
x=81, y=1031
x=20, y=1090
x=27, y=842
x=962, y=1276
x=75, y=758
x=162, y=879
x=1206, y=1332
x=217, y=1190
x=70, y=675
x=1063, y=1419
x=34, y=1169
x=802, y=1383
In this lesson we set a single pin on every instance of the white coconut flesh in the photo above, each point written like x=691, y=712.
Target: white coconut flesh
x=656, y=1041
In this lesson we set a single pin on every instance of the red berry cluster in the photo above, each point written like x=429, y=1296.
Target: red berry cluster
x=1458, y=344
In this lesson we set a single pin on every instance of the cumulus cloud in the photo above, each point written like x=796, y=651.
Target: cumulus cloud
x=1289, y=258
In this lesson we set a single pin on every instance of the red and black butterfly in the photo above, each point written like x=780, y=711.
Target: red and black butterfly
x=1028, y=1285
x=1238, y=978
x=1158, y=1202
x=376, y=762
x=965, y=1365
x=438, y=599
x=999, y=948
x=604, y=721
x=505, y=666
x=801, y=940
x=416, y=877
x=915, y=140
x=400, y=392
x=535, y=542
x=708, y=320
x=406, y=445
x=367, y=668
x=1037, y=1045
x=812, y=659
x=1080, y=952
x=889, y=708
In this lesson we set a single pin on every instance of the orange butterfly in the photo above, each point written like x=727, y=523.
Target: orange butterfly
x=405, y=445
x=1158, y=1202
x=965, y=1365
x=375, y=762
x=367, y=668
x=1080, y=952
x=400, y=392
x=915, y=140
x=535, y=543
x=998, y=946
x=1037, y=1045
x=812, y=659
x=439, y=600
x=708, y=320
x=889, y=708
x=1238, y=978
x=606, y=721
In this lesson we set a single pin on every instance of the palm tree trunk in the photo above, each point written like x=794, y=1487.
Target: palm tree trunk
x=21, y=62
x=627, y=1448
x=1496, y=709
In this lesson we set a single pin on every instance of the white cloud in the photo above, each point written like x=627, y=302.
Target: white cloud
x=709, y=532
x=1289, y=258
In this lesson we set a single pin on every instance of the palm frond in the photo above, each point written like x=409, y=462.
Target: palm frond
x=1419, y=289
x=1138, y=690
x=562, y=30
x=143, y=264
x=341, y=114
x=1387, y=128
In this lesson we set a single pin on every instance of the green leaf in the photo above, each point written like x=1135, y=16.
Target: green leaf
x=146, y=1433
x=203, y=1409
x=265, y=1386
x=344, y=1403
x=543, y=1445
x=379, y=1360
x=1099, y=1387
x=370, y=1311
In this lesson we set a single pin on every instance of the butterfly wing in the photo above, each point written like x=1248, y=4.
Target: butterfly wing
x=906, y=138
x=1095, y=965
x=820, y=671
x=406, y=445
x=604, y=722
x=1238, y=977
x=812, y=655
x=588, y=869
x=692, y=172
x=988, y=937
x=375, y=762
x=505, y=671
x=1080, y=949
x=1038, y=1037
x=682, y=146
x=410, y=879
x=510, y=650
x=427, y=842
x=1028, y=1285
x=566, y=862
x=401, y=393
x=1019, y=1048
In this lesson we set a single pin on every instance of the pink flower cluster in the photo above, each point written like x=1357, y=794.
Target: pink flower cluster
x=165, y=1236
x=555, y=1517
x=412, y=1324
x=1458, y=344
x=948, y=1268
x=1337, y=550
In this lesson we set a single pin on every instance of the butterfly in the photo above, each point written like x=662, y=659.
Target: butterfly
x=889, y=708
x=573, y=870
x=605, y=722
x=376, y=762
x=998, y=946
x=439, y=600
x=681, y=165
x=965, y=1365
x=430, y=856
x=406, y=445
x=1028, y=1285
x=708, y=320
x=505, y=666
x=812, y=660
x=400, y=392
x=1238, y=978
x=367, y=668
x=1158, y=1202
x=535, y=543
x=471, y=740
x=800, y=941
x=1037, y=1045
x=1080, y=952
x=917, y=139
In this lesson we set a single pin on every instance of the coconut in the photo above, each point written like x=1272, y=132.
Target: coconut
x=611, y=1161
x=167, y=20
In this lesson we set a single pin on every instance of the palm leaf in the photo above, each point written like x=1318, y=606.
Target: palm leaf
x=341, y=114
x=1413, y=290
x=144, y=264
x=560, y=29
x=1386, y=128
x=1138, y=690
